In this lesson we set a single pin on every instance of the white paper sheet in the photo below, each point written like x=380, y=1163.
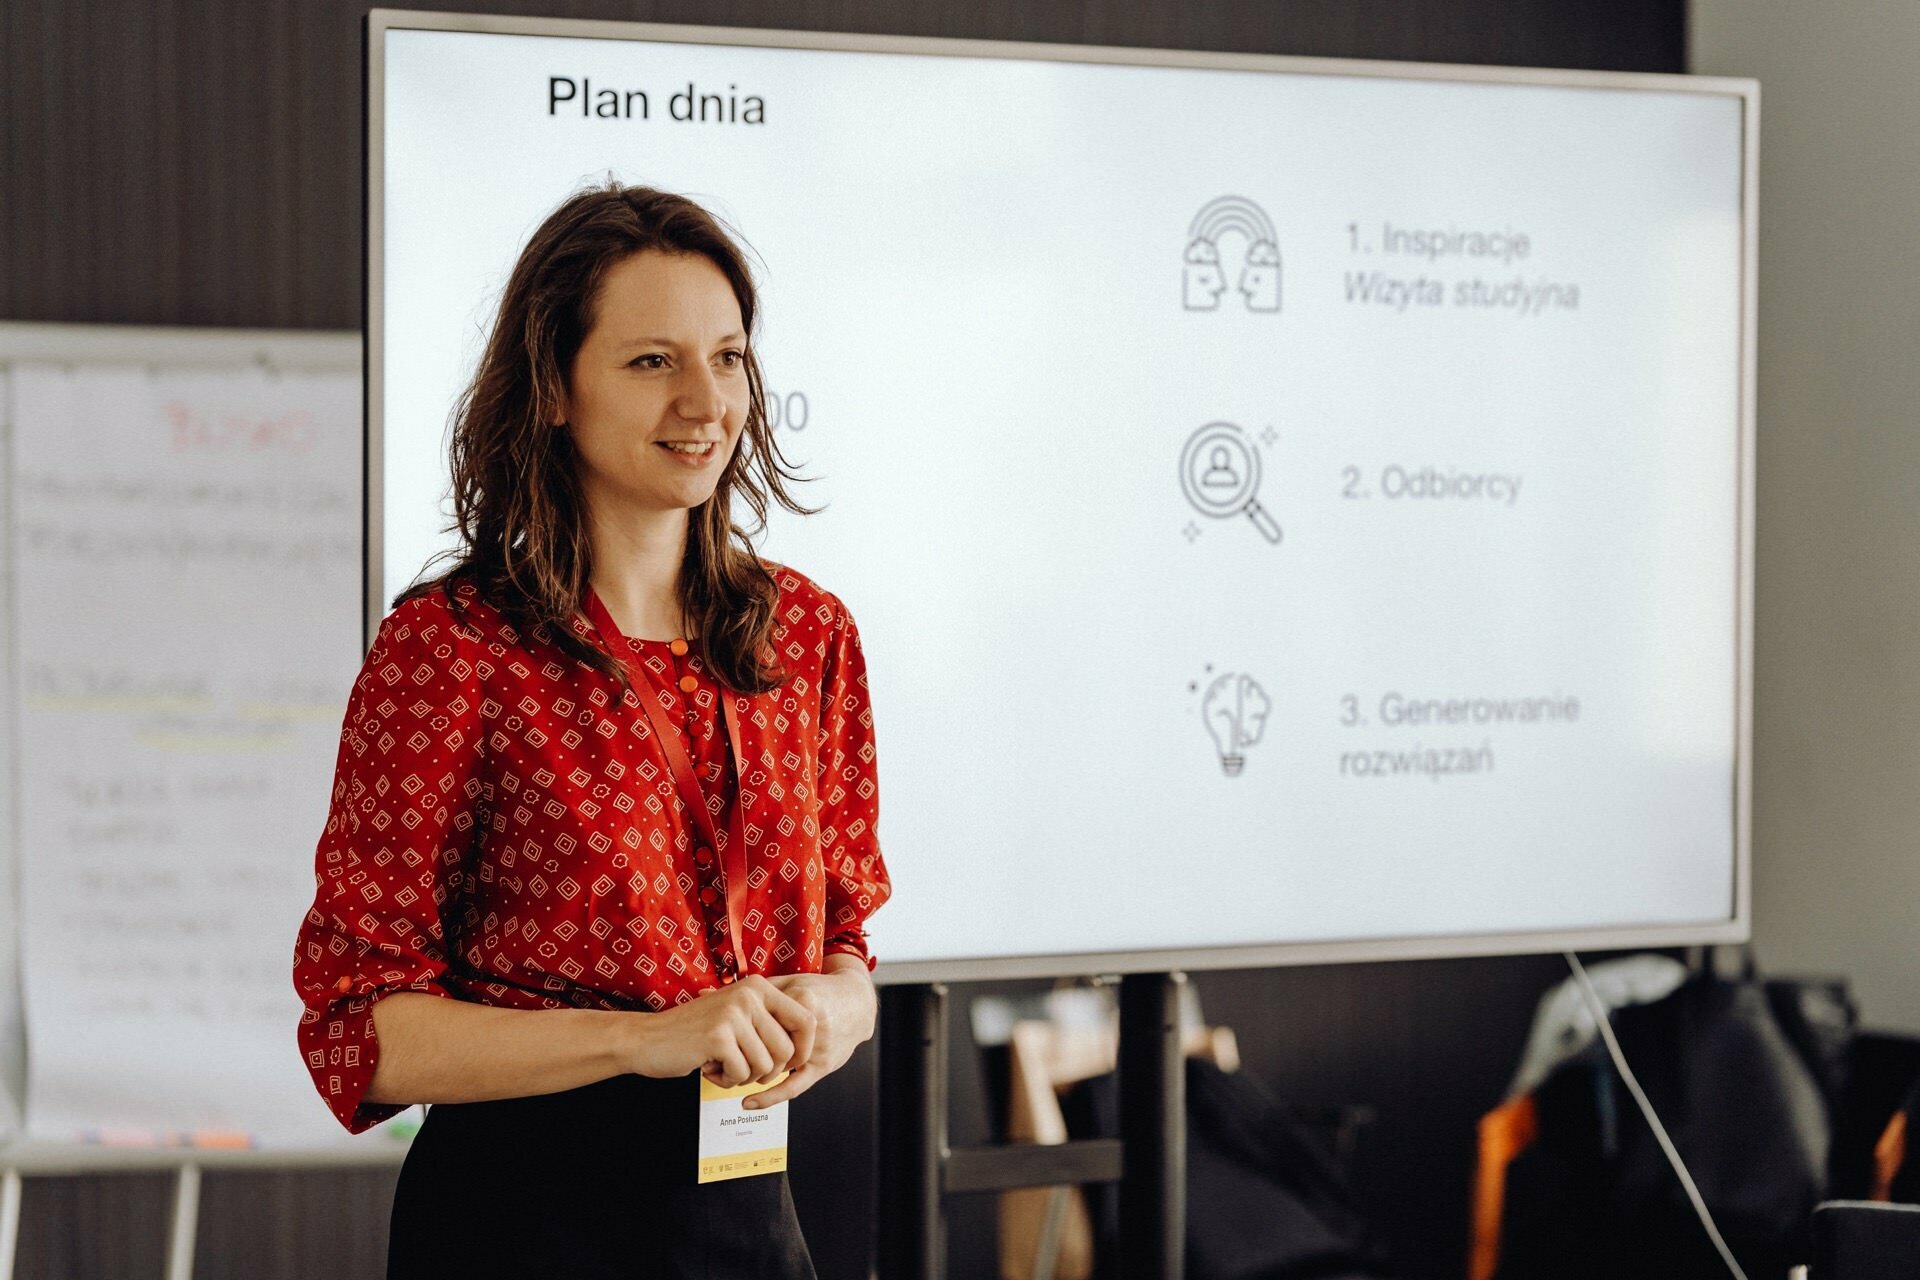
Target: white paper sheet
x=186, y=548
x=12, y=1029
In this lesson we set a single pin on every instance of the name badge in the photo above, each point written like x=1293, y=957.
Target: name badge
x=736, y=1142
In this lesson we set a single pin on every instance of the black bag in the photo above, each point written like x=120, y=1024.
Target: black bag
x=1745, y=1075
x=1264, y=1199
x=1883, y=1079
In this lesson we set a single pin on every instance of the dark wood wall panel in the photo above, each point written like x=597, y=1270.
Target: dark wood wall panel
x=198, y=161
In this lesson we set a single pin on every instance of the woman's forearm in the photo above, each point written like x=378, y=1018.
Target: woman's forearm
x=432, y=1049
x=847, y=962
x=855, y=972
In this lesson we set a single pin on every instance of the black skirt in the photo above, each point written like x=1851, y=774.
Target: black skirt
x=596, y=1182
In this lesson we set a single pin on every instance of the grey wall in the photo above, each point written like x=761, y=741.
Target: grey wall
x=1836, y=816
x=197, y=162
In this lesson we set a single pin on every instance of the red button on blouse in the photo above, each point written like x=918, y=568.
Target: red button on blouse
x=503, y=828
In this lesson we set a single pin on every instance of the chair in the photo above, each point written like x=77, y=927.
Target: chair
x=1865, y=1240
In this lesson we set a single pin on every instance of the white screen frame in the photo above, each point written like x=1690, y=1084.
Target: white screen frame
x=1735, y=928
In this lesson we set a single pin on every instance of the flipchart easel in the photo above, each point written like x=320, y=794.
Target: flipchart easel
x=185, y=1156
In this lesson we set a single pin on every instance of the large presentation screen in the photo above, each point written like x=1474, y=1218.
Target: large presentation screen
x=1293, y=510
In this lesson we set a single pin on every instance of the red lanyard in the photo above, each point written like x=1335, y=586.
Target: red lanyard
x=733, y=858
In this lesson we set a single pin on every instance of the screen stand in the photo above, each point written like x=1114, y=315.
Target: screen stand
x=918, y=1168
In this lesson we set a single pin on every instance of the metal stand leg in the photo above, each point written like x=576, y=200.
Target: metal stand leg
x=918, y=1168
x=1153, y=1112
x=913, y=1132
x=9, y=1220
x=186, y=1222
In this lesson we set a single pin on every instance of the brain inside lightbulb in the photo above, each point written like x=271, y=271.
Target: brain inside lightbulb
x=1235, y=710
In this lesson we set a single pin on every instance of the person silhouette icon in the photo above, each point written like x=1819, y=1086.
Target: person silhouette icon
x=1220, y=473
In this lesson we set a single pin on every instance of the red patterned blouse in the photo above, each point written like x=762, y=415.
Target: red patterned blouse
x=505, y=828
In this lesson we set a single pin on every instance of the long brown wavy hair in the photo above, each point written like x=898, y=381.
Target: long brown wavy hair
x=517, y=503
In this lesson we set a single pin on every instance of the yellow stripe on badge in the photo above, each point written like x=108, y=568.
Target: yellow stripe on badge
x=746, y=1164
x=711, y=1092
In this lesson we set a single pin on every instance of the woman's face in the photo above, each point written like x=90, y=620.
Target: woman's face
x=664, y=365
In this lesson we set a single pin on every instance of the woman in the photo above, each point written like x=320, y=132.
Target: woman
x=604, y=810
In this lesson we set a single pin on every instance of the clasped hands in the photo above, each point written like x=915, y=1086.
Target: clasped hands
x=807, y=1024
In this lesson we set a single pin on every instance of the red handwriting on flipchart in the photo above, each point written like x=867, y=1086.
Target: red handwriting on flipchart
x=195, y=430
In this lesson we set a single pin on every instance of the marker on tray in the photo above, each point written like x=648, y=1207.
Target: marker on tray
x=196, y=1139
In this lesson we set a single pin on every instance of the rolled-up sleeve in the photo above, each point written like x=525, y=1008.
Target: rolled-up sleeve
x=404, y=815
x=848, y=784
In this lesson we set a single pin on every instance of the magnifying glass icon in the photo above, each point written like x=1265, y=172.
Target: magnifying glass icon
x=1220, y=474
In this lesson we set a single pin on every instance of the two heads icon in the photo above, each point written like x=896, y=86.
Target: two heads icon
x=1205, y=278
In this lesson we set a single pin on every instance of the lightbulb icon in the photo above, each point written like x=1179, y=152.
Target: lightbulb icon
x=1235, y=710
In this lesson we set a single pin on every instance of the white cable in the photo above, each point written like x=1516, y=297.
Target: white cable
x=1600, y=1018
